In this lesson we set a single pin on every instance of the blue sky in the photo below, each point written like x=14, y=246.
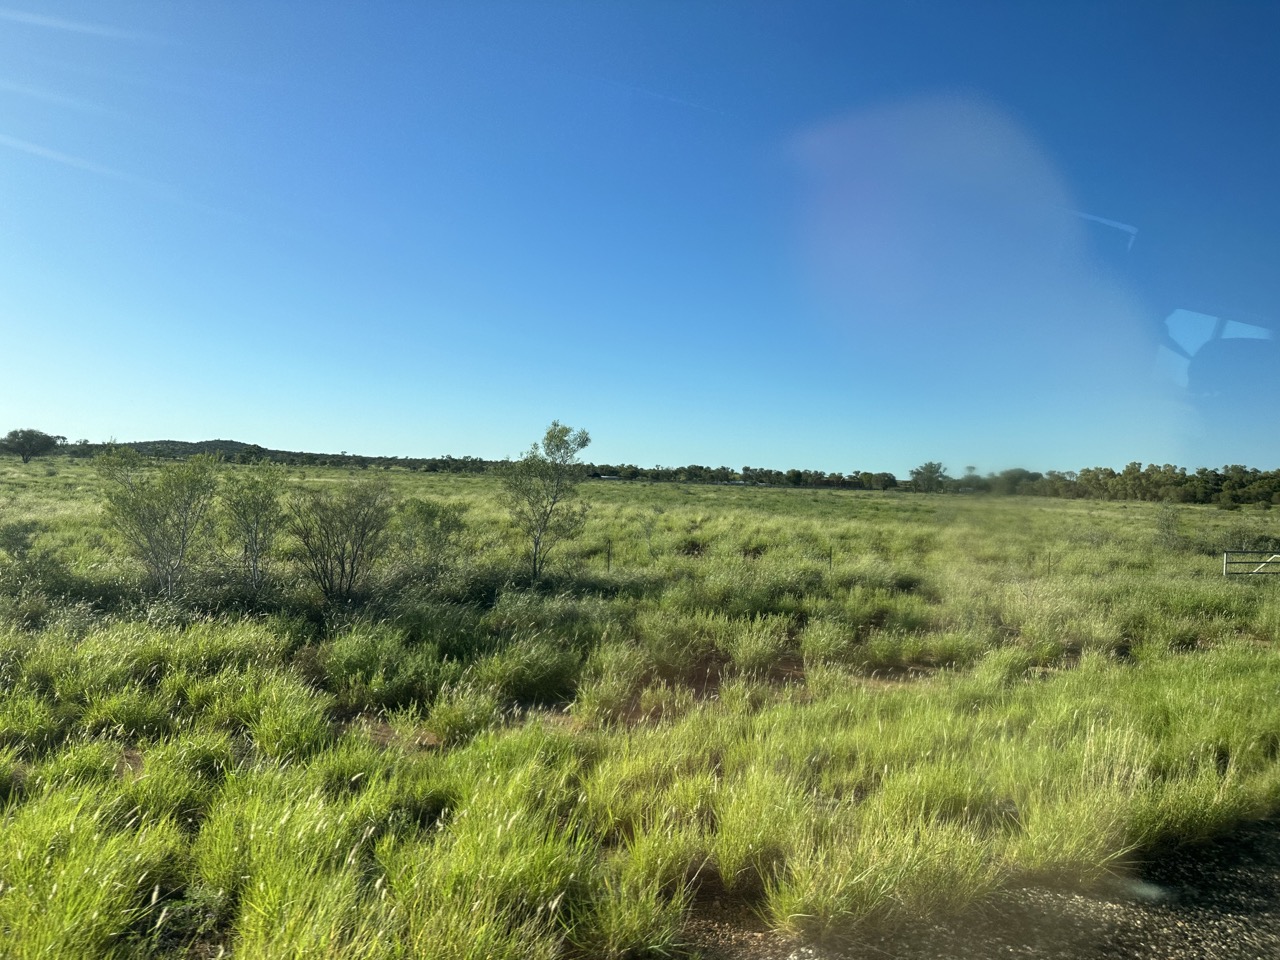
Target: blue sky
x=828, y=235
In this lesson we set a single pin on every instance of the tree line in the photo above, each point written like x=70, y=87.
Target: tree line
x=1228, y=486
x=747, y=476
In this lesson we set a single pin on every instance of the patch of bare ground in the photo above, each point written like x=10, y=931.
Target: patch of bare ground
x=420, y=738
x=130, y=762
x=705, y=678
x=382, y=734
x=789, y=669
x=725, y=926
x=726, y=934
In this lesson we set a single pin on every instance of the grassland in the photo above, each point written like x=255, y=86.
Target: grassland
x=842, y=710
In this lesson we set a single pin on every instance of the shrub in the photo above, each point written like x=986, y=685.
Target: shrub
x=540, y=489
x=425, y=536
x=341, y=535
x=161, y=514
x=254, y=516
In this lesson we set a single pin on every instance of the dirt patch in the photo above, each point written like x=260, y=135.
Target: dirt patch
x=382, y=734
x=789, y=669
x=130, y=762
x=722, y=926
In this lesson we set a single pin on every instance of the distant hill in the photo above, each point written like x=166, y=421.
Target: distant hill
x=228, y=449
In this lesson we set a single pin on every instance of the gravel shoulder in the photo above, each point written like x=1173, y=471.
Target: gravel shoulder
x=1213, y=901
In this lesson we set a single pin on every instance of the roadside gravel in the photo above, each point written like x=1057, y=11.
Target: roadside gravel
x=1213, y=901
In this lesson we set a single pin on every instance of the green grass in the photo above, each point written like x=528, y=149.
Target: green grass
x=844, y=710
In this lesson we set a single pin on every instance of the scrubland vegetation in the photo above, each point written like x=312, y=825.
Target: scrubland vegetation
x=843, y=709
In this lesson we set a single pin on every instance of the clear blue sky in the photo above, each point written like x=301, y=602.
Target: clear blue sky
x=838, y=236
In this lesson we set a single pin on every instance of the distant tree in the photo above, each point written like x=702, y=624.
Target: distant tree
x=160, y=512
x=929, y=477
x=883, y=481
x=30, y=443
x=254, y=516
x=1014, y=481
x=342, y=534
x=539, y=490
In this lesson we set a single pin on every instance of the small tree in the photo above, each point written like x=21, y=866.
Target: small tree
x=341, y=534
x=539, y=490
x=161, y=513
x=30, y=443
x=254, y=515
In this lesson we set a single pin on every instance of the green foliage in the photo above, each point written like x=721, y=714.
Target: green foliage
x=31, y=576
x=633, y=915
x=254, y=516
x=27, y=443
x=17, y=537
x=341, y=534
x=848, y=709
x=929, y=477
x=179, y=779
x=1168, y=528
x=426, y=535
x=1003, y=667
x=129, y=713
x=754, y=646
x=161, y=513
x=462, y=711
x=613, y=675
x=529, y=672
x=374, y=669
x=80, y=884
x=540, y=489
x=291, y=721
